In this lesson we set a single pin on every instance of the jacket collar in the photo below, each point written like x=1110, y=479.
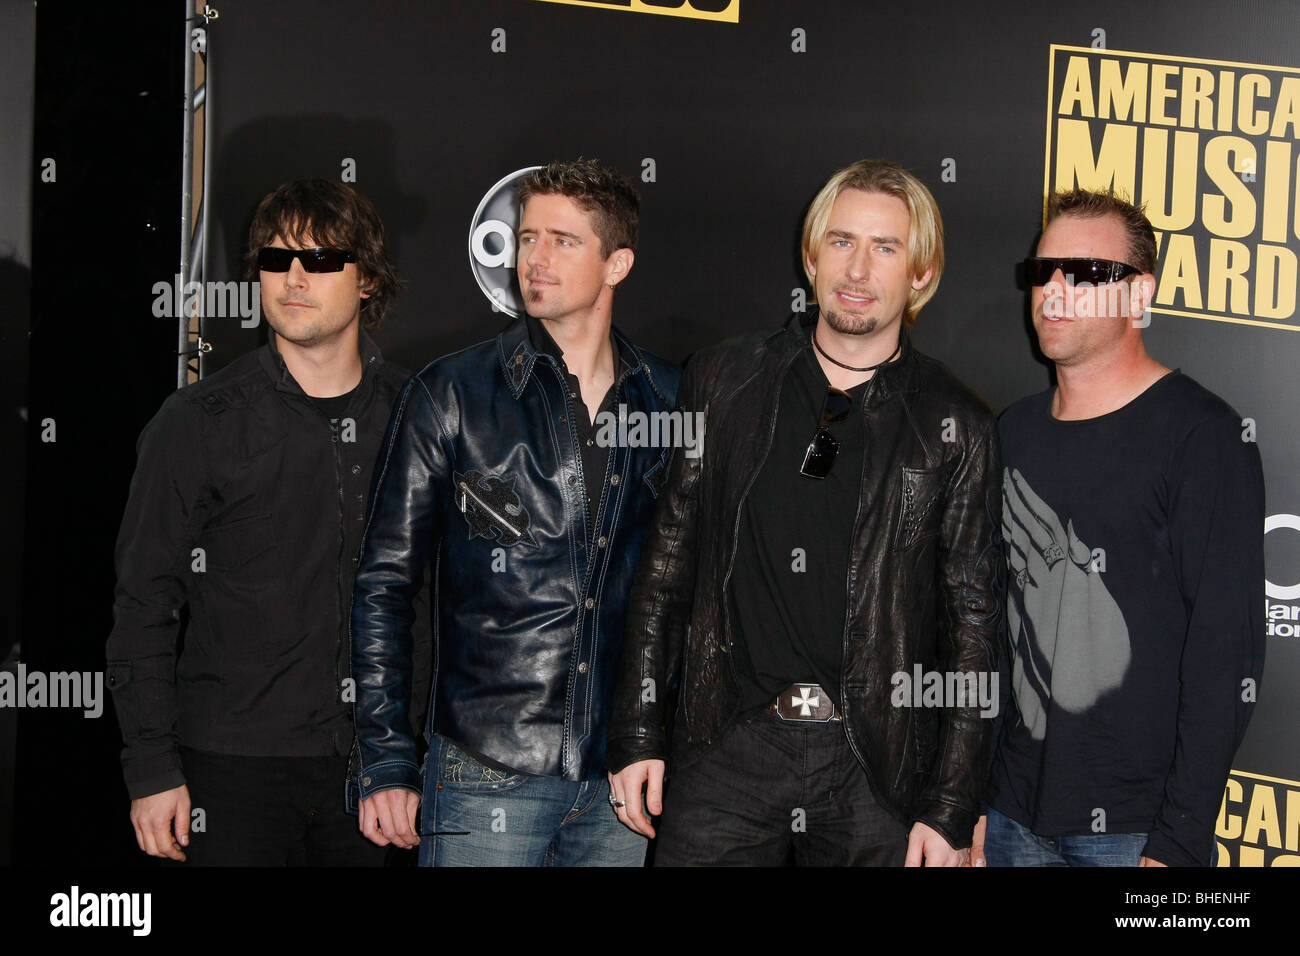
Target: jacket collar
x=272, y=362
x=896, y=376
x=518, y=354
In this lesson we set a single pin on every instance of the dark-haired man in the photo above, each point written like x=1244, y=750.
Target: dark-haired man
x=246, y=509
x=1133, y=512
x=501, y=473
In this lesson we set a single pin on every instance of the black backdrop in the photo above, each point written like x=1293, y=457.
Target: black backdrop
x=743, y=122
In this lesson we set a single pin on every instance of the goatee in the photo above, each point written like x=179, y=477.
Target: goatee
x=848, y=326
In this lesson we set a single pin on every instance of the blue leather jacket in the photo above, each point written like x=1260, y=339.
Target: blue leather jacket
x=481, y=479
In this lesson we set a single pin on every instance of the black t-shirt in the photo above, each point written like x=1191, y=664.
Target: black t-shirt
x=789, y=584
x=336, y=405
x=1134, y=613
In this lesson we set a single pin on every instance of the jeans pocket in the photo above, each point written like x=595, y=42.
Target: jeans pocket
x=458, y=770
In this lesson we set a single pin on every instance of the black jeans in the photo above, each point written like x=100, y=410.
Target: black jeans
x=272, y=811
x=774, y=792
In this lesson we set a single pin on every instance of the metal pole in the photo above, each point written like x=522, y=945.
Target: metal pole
x=187, y=200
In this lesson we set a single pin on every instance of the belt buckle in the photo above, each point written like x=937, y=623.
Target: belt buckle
x=804, y=702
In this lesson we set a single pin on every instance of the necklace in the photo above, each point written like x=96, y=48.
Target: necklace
x=851, y=368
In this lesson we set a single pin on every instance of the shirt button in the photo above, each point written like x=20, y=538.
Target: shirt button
x=582, y=668
x=591, y=603
x=563, y=419
x=614, y=479
x=573, y=394
x=602, y=541
x=590, y=443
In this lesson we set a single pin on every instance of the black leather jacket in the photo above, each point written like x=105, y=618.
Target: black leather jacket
x=922, y=579
x=481, y=478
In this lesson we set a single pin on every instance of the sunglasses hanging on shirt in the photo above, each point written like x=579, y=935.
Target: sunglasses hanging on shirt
x=823, y=448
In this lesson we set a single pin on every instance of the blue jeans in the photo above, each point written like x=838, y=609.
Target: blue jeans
x=1007, y=843
x=474, y=815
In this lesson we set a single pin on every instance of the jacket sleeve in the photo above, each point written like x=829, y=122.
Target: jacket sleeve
x=403, y=530
x=970, y=577
x=659, y=608
x=1216, y=529
x=153, y=556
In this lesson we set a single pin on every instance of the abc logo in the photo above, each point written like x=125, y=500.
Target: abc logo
x=1279, y=592
x=492, y=244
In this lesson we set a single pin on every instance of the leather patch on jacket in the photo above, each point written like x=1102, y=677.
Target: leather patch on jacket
x=492, y=508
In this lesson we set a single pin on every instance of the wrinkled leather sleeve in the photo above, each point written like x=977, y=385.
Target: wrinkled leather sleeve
x=401, y=535
x=970, y=578
x=659, y=608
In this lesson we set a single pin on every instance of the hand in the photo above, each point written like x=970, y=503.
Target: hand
x=389, y=817
x=977, y=843
x=1147, y=861
x=626, y=786
x=924, y=843
x=162, y=822
x=1059, y=611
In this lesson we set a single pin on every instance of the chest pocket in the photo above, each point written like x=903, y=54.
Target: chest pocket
x=921, y=509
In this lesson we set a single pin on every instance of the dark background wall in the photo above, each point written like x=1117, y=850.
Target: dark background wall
x=742, y=129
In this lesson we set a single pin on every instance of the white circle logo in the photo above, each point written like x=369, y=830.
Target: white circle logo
x=1275, y=591
x=492, y=244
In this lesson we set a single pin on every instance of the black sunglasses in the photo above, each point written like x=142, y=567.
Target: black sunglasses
x=271, y=259
x=1039, y=271
x=819, y=457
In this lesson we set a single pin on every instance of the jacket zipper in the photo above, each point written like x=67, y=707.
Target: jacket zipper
x=465, y=490
x=338, y=592
x=848, y=589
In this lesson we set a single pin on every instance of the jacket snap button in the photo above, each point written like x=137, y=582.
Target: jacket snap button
x=614, y=479
x=573, y=479
x=356, y=469
x=563, y=419
x=582, y=668
x=590, y=603
x=365, y=781
x=602, y=541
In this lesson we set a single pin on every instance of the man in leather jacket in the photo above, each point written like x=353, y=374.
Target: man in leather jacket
x=795, y=597
x=246, y=509
x=513, y=470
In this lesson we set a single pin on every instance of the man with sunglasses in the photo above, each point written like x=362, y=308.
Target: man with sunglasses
x=246, y=511
x=1133, y=515
x=835, y=538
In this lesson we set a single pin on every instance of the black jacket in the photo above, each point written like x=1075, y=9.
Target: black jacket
x=922, y=579
x=246, y=507
x=482, y=479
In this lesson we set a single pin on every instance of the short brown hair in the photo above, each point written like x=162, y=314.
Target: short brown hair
x=924, y=235
x=596, y=189
x=1093, y=204
x=330, y=214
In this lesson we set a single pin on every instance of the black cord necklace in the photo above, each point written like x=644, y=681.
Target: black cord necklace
x=851, y=368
